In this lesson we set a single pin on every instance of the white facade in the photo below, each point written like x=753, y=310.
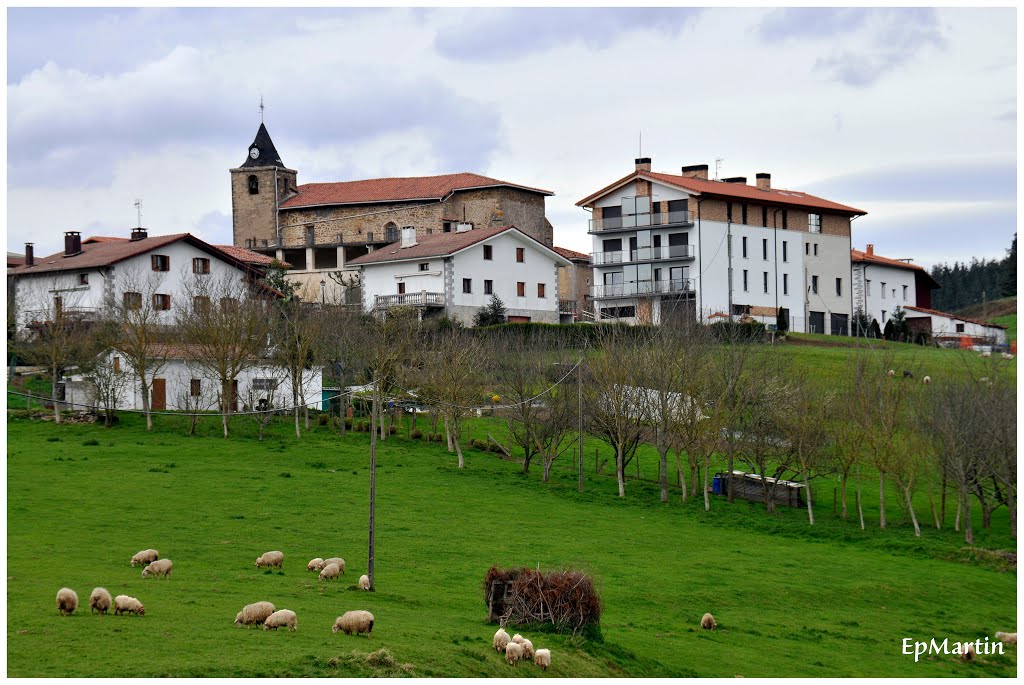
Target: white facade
x=880, y=288
x=943, y=325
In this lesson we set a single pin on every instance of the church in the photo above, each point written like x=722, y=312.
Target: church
x=318, y=228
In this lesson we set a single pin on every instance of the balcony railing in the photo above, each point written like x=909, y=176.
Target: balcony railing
x=567, y=306
x=642, y=254
x=647, y=220
x=633, y=288
x=420, y=299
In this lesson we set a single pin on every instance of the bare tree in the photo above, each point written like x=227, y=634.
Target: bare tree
x=108, y=382
x=263, y=396
x=805, y=423
x=296, y=333
x=661, y=373
x=732, y=362
x=194, y=400
x=762, y=429
x=518, y=371
x=140, y=312
x=1002, y=428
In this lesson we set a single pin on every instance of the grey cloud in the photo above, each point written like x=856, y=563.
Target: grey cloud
x=508, y=33
x=986, y=180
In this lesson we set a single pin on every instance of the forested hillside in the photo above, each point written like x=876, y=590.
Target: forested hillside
x=969, y=283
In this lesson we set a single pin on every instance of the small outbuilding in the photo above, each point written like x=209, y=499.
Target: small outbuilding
x=750, y=486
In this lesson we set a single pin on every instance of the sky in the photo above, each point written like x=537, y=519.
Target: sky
x=909, y=114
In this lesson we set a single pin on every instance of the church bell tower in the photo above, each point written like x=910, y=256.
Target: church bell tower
x=258, y=187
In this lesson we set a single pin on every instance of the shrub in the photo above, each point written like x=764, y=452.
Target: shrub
x=438, y=437
x=416, y=434
x=91, y=443
x=565, y=600
x=323, y=419
x=53, y=438
x=392, y=429
x=734, y=331
x=348, y=422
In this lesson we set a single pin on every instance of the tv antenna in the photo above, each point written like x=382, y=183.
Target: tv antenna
x=718, y=165
x=138, y=211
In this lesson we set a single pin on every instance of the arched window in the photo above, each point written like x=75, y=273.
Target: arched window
x=390, y=232
x=254, y=185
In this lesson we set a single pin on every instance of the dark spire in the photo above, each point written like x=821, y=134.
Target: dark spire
x=266, y=152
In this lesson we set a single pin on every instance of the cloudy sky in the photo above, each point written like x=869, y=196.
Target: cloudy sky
x=909, y=114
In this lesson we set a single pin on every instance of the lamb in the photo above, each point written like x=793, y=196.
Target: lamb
x=354, y=622
x=1007, y=356
x=315, y=564
x=986, y=355
x=707, y=622
x=527, y=649
x=1008, y=638
x=338, y=561
x=891, y=373
x=501, y=640
x=281, y=618
x=123, y=604
x=100, y=600
x=542, y=658
x=67, y=601
x=270, y=559
x=513, y=653
x=517, y=638
x=968, y=653
x=161, y=567
x=364, y=582
x=926, y=380
x=907, y=374
x=146, y=556
x=329, y=572
x=254, y=614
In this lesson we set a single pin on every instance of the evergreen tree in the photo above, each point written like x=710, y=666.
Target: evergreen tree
x=861, y=324
x=491, y=314
x=900, y=325
x=1009, y=270
x=275, y=278
x=874, y=331
x=782, y=320
x=889, y=332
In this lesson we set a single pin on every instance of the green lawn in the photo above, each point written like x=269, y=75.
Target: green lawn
x=790, y=600
x=1010, y=321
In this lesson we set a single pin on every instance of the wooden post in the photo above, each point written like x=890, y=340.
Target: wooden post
x=373, y=479
x=579, y=392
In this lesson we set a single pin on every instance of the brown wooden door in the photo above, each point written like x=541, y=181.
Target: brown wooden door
x=159, y=399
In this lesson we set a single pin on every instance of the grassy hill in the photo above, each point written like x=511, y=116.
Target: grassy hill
x=1002, y=312
x=791, y=600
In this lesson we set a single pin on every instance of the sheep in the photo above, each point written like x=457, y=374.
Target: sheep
x=542, y=658
x=1008, y=638
x=707, y=622
x=926, y=380
x=338, y=561
x=315, y=565
x=1007, y=356
x=270, y=559
x=146, y=556
x=123, y=604
x=986, y=355
x=517, y=638
x=282, y=617
x=100, y=600
x=354, y=622
x=907, y=374
x=329, y=572
x=968, y=653
x=527, y=649
x=513, y=653
x=254, y=614
x=501, y=640
x=67, y=601
x=891, y=373
x=160, y=567
x=364, y=582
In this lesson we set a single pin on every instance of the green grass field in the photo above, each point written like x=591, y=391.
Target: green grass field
x=790, y=600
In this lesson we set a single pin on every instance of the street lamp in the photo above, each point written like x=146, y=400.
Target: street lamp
x=323, y=292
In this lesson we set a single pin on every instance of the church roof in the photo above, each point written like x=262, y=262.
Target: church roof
x=268, y=155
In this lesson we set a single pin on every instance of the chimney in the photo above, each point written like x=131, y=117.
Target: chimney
x=30, y=255
x=408, y=236
x=643, y=163
x=735, y=179
x=463, y=226
x=139, y=234
x=72, y=243
x=871, y=250
x=764, y=181
x=696, y=171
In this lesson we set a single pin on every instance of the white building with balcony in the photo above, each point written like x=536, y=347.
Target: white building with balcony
x=455, y=274
x=667, y=244
x=881, y=284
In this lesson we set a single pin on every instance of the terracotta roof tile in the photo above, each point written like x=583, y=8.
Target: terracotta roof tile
x=393, y=189
x=858, y=256
x=936, y=312
x=571, y=255
x=103, y=239
x=436, y=245
x=246, y=255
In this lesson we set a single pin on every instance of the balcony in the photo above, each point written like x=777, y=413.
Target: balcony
x=631, y=222
x=422, y=299
x=679, y=286
x=567, y=306
x=642, y=254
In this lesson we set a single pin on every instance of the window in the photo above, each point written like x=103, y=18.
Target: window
x=540, y=290
x=785, y=251
x=201, y=303
x=883, y=290
x=728, y=211
x=489, y=252
x=467, y=285
x=83, y=279
x=766, y=281
x=904, y=293
x=161, y=302
x=391, y=232
x=446, y=227
x=764, y=248
x=744, y=247
x=160, y=262
x=618, y=312
x=807, y=248
x=254, y=185
x=311, y=234
x=488, y=287
x=785, y=284
x=815, y=249
x=424, y=266
x=264, y=384
x=521, y=289
x=229, y=304
x=764, y=216
x=520, y=254
x=744, y=212
x=195, y=387
x=814, y=223
x=785, y=219
x=867, y=286
x=883, y=316
x=401, y=288
x=117, y=365
x=746, y=281
x=839, y=287
x=200, y=265
x=814, y=284
x=133, y=300
x=959, y=328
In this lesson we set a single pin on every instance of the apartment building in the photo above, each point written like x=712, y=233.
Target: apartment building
x=685, y=245
x=880, y=284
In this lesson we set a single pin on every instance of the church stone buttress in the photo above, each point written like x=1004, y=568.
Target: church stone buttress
x=258, y=187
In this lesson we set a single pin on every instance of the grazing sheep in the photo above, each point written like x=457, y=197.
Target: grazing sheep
x=67, y=601
x=254, y=614
x=986, y=355
x=160, y=567
x=968, y=653
x=527, y=649
x=517, y=638
x=926, y=380
x=100, y=600
x=146, y=556
x=907, y=374
x=123, y=604
x=501, y=640
x=270, y=559
x=315, y=565
x=891, y=373
x=707, y=622
x=513, y=653
x=1008, y=638
x=329, y=572
x=542, y=658
x=1007, y=356
x=364, y=582
x=354, y=622
x=338, y=561
x=281, y=618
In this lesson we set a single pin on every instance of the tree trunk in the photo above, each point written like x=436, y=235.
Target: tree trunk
x=663, y=475
x=931, y=505
x=373, y=485
x=620, y=470
x=707, y=497
x=728, y=479
x=305, y=412
x=547, y=467
x=810, y=502
x=295, y=410
x=942, y=502
x=1011, y=504
x=448, y=435
x=680, y=478
x=694, y=477
x=959, y=510
x=842, y=497
x=55, y=376
x=881, y=500
x=913, y=516
x=860, y=504
x=458, y=446
x=146, y=406
x=968, y=530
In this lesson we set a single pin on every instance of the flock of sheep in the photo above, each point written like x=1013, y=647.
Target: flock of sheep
x=518, y=647
x=100, y=600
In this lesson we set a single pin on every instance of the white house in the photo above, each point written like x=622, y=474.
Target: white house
x=950, y=328
x=457, y=273
x=90, y=276
x=683, y=243
x=880, y=284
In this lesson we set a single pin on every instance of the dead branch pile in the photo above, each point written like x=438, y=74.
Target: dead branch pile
x=521, y=596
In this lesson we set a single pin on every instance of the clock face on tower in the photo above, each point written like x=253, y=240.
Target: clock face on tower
x=254, y=152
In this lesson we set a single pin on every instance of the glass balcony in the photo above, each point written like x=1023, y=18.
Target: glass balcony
x=647, y=220
x=643, y=288
x=642, y=254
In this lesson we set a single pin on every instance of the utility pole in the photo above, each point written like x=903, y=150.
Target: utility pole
x=579, y=390
x=373, y=475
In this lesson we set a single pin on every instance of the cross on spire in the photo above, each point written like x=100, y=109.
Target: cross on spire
x=261, y=108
